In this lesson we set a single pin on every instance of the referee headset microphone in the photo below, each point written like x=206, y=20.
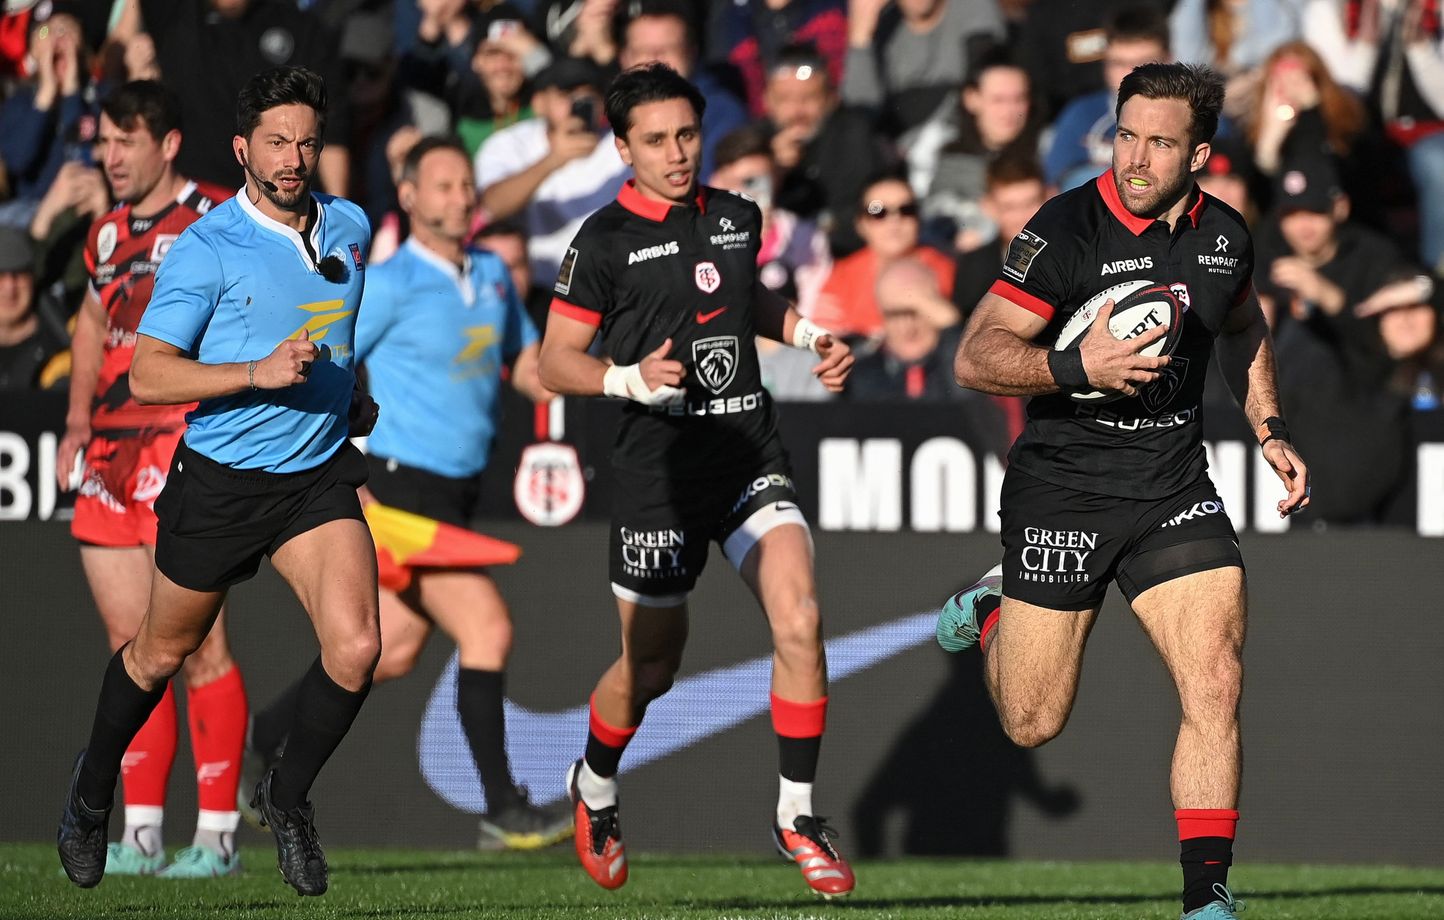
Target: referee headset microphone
x=265, y=183
x=331, y=268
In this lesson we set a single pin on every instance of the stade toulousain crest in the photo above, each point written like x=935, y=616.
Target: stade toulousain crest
x=715, y=359
x=549, y=487
x=708, y=278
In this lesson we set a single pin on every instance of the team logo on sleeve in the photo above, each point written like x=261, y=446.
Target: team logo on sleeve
x=715, y=359
x=564, y=273
x=356, y=259
x=1021, y=252
x=708, y=278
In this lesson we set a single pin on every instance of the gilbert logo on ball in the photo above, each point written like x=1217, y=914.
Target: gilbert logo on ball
x=1138, y=306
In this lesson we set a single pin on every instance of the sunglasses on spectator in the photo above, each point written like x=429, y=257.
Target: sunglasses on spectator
x=876, y=210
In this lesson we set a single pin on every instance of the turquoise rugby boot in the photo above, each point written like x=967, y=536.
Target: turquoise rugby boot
x=1227, y=907
x=958, y=625
x=201, y=862
x=123, y=859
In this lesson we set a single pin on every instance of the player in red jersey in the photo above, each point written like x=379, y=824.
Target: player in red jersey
x=127, y=451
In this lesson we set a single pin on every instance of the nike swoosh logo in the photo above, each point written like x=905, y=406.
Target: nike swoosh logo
x=540, y=744
x=704, y=318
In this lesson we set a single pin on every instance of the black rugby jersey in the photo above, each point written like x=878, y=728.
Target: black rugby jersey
x=645, y=271
x=1079, y=244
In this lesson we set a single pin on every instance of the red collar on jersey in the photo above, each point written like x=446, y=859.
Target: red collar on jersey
x=1135, y=224
x=650, y=208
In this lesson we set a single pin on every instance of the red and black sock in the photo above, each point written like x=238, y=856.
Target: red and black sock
x=799, y=728
x=989, y=609
x=605, y=743
x=1205, y=838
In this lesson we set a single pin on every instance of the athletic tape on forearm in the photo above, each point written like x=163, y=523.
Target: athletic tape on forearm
x=806, y=334
x=614, y=381
x=1067, y=369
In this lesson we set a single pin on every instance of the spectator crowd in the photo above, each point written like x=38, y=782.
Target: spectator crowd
x=894, y=147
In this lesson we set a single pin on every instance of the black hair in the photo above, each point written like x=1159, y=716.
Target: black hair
x=277, y=87
x=629, y=13
x=411, y=164
x=501, y=228
x=1011, y=170
x=798, y=55
x=1138, y=24
x=751, y=140
x=1198, y=86
x=148, y=101
x=895, y=173
x=990, y=59
x=655, y=82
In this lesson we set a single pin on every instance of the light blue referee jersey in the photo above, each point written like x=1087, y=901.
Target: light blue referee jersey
x=233, y=287
x=434, y=339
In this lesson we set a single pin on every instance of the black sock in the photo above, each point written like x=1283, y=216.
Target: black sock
x=602, y=757
x=324, y=713
x=1205, y=862
x=271, y=725
x=986, y=606
x=121, y=711
x=797, y=758
x=479, y=696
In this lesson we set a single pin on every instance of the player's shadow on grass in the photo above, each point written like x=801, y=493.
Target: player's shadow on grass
x=951, y=775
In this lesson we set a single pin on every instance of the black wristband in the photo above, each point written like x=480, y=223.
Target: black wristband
x=1277, y=431
x=1067, y=369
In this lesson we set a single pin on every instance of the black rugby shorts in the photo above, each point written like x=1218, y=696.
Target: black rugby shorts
x=661, y=527
x=214, y=523
x=410, y=488
x=1062, y=547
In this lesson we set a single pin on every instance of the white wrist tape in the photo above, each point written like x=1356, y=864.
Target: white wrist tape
x=806, y=334
x=625, y=382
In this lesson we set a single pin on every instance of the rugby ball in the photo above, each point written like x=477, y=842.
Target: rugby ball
x=1138, y=306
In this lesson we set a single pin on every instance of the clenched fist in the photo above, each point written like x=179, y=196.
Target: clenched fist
x=288, y=365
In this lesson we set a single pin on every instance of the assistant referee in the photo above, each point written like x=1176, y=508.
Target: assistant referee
x=265, y=468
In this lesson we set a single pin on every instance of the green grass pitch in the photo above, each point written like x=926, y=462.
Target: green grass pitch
x=428, y=885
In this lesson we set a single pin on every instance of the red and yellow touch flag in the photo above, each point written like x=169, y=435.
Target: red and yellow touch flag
x=406, y=541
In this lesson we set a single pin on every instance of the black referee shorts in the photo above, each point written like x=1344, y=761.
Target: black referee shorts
x=410, y=488
x=214, y=522
x=1062, y=547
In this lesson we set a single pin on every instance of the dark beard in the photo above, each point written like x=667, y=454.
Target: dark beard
x=1163, y=197
x=290, y=201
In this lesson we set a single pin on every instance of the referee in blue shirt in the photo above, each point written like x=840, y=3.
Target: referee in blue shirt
x=439, y=324
x=265, y=467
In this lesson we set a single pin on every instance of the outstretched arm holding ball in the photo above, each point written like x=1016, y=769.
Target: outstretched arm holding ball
x=997, y=355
